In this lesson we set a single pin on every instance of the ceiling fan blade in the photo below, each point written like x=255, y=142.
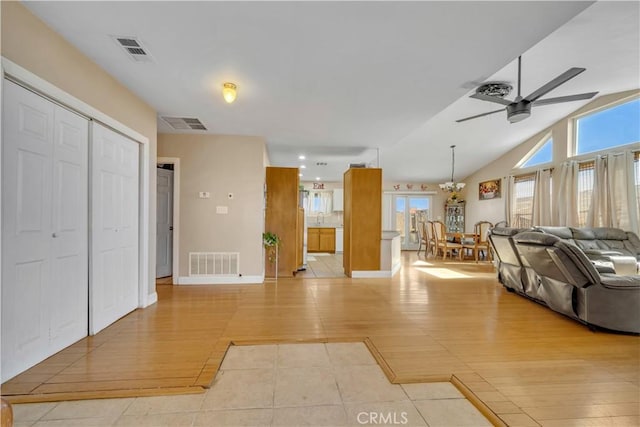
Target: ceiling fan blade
x=479, y=115
x=568, y=98
x=496, y=99
x=562, y=78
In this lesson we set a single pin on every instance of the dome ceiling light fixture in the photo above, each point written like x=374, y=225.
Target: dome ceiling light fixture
x=452, y=186
x=498, y=89
x=229, y=92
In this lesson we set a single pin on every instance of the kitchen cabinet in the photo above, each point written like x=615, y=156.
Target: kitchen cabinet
x=339, y=240
x=338, y=199
x=283, y=218
x=321, y=239
x=362, y=219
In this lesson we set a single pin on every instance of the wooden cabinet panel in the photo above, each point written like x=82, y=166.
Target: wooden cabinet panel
x=321, y=240
x=313, y=240
x=281, y=218
x=328, y=240
x=362, y=219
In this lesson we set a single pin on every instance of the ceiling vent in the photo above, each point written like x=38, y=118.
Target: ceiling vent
x=321, y=164
x=133, y=48
x=357, y=165
x=184, y=123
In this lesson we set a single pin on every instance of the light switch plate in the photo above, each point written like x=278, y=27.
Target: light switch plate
x=222, y=210
x=204, y=194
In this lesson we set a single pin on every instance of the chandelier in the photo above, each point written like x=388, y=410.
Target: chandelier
x=452, y=186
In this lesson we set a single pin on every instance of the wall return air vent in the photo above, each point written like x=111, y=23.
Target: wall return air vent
x=133, y=48
x=184, y=123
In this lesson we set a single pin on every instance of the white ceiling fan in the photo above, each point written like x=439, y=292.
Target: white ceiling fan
x=520, y=108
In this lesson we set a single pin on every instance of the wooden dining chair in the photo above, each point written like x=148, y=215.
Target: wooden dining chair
x=426, y=231
x=480, y=240
x=422, y=238
x=442, y=244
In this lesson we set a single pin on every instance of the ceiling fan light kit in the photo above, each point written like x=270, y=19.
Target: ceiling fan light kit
x=520, y=108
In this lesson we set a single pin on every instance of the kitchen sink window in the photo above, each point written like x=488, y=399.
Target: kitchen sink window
x=319, y=202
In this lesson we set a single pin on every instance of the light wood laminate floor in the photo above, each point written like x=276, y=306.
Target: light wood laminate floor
x=433, y=321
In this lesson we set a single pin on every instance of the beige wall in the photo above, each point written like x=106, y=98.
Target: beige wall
x=494, y=210
x=220, y=164
x=28, y=42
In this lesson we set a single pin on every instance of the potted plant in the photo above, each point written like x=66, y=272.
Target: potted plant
x=271, y=241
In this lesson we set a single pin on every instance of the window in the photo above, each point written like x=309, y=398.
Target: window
x=615, y=126
x=543, y=155
x=319, y=202
x=523, y=188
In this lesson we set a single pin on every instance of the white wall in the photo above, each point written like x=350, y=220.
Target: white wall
x=562, y=133
x=220, y=164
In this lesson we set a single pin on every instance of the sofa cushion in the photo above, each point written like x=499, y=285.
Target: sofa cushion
x=562, y=232
x=609, y=233
x=582, y=233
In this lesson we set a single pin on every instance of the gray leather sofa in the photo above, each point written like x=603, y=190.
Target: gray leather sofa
x=548, y=265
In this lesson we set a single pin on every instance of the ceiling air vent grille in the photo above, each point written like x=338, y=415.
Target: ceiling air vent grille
x=184, y=123
x=133, y=48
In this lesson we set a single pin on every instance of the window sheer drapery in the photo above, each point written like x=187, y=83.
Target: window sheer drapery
x=603, y=192
x=319, y=202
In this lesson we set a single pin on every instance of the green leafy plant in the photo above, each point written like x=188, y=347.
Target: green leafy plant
x=270, y=241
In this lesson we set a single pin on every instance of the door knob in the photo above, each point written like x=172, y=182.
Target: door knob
x=170, y=228
x=54, y=235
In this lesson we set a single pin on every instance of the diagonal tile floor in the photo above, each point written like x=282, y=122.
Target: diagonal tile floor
x=333, y=384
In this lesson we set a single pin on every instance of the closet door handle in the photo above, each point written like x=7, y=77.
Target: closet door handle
x=54, y=235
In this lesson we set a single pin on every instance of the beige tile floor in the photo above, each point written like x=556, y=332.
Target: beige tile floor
x=323, y=265
x=333, y=384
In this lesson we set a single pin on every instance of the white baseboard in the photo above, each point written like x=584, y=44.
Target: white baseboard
x=371, y=274
x=395, y=269
x=214, y=280
x=152, y=299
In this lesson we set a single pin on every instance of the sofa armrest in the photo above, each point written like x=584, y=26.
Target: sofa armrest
x=620, y=282
x=603, y=267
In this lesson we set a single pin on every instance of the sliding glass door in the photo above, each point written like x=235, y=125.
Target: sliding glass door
x=405, y=220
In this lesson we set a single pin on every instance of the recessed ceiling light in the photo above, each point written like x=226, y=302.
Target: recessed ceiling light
x=301, y=157
x=300, y=174
x=317, y=178
x=303, y=167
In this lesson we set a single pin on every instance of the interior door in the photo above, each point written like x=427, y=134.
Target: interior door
x=115, y=240
x=44, y=229
x=164, y=224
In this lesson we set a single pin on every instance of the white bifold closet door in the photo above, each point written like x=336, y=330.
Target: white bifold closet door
x=114, y=225
x=44, y=229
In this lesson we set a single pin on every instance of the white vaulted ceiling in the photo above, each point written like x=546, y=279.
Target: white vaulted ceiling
x=348, y=82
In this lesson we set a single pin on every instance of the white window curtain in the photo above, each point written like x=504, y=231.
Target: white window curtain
x=615, y=201
x=508, y=197
x=542, y=198
x=566, y=208
x=319, y=202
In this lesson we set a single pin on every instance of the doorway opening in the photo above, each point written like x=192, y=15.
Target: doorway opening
x=167, y=220
x=405, y=219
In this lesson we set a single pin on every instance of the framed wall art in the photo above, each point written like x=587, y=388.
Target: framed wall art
x=490, y=189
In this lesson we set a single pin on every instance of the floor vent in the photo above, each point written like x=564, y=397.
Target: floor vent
x=184, y=123
x=214, y=264
x=133, y=48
